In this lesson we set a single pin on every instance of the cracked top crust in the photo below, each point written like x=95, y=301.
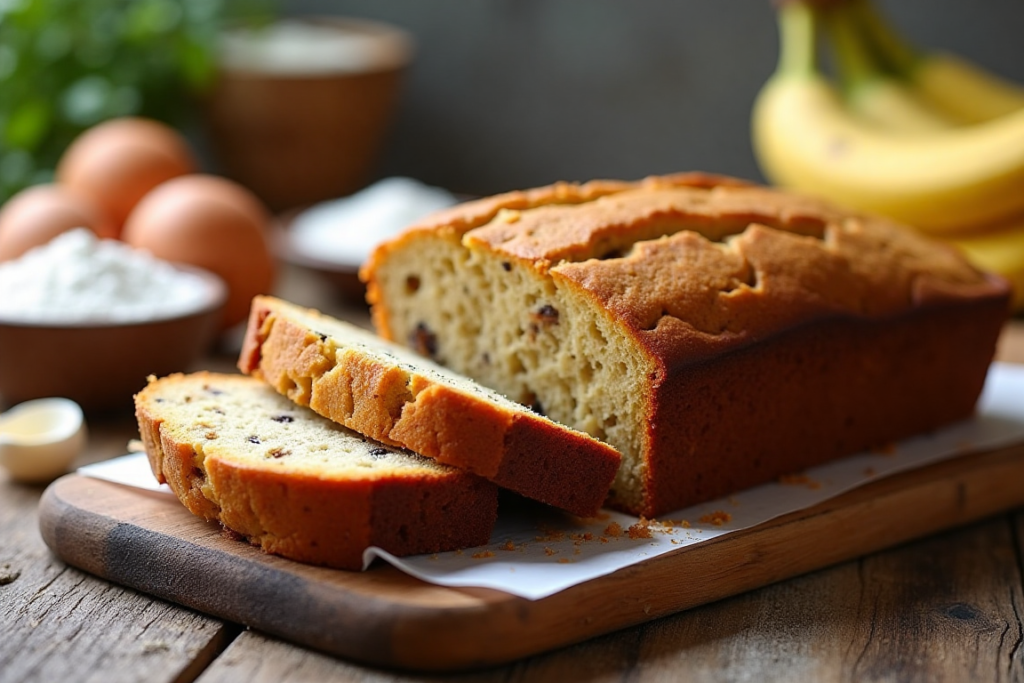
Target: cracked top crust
x=695, y=264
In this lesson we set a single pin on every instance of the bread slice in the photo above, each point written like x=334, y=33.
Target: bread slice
x=395, y=396
x=299, y=485
x=717, y=333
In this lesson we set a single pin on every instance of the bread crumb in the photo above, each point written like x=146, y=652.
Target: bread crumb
x=483, y=554
x=509, y=545
x=613, y=530
x=641, y=529
x=603, y=539
x=550, y=535
x=717, y=518
x=670, y=524
x=549, y=551
x=564, y=560
x=459, y=551
x=799, y=480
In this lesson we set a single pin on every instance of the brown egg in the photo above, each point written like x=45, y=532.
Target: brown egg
x=212, y=223
x=37, y=214
x=117, y=162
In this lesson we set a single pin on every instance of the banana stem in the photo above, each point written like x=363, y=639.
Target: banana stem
x=856, y=61
x=798, y=40
x=897, y=55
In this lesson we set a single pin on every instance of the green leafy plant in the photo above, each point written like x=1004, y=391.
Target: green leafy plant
x=66, y=65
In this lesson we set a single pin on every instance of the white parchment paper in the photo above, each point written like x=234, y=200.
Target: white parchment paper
x=536, y=551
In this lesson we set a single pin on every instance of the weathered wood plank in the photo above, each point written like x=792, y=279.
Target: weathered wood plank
x=948, y=607
x=943, y=609
x=61, y=624
x=385, y=618
x=258, y=658
x=1017, y=635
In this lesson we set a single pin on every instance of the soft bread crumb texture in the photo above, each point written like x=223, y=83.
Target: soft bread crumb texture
x=398, y=397
x=596, y=303
x=299, y=485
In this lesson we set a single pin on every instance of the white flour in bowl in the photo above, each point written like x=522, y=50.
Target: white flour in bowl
x=77, y=278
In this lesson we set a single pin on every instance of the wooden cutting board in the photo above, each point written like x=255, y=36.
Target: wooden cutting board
x=151, y=543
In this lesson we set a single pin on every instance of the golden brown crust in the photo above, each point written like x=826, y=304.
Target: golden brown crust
x=456, y=221
x=173, y=463
x=400, y=405
x=686, y=296
x=319, y=517
x=302, y=518
x=737, y=262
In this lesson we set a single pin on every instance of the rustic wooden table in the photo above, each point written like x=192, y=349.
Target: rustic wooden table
x=945, y=608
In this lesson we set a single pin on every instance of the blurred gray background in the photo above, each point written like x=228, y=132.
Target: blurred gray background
x=515, y=93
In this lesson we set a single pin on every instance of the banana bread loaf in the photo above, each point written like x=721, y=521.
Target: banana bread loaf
x=717, y=333
x=395, y=396
x=299, y=485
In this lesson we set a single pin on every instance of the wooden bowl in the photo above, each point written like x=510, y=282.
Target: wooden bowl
x=298, y=137
x=101, y=366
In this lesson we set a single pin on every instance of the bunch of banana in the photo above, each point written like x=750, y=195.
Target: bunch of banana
x=927, y=139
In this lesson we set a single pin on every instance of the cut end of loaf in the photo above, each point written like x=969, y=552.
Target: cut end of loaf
x=529, y=337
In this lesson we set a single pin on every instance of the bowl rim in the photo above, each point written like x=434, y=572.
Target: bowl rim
x=217, y=296
x=400, y=42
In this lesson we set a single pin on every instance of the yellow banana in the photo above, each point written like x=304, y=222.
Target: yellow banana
x=954, y=86
x=965, y=92
x=805, y=139
x=1000, y=251
x=871, y=93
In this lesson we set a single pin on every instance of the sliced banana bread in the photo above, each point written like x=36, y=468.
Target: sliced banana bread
x=395, y=396
x=299, y=485
x=717, y=333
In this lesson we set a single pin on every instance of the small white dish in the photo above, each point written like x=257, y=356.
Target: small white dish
x=334, y=238
x=345, y=231
x=40, y=439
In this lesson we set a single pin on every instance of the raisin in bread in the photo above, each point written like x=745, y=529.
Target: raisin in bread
x=390, y=394
x=717, y=333
x=298, y=485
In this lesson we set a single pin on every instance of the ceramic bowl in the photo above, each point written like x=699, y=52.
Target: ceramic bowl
x=101, y=365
